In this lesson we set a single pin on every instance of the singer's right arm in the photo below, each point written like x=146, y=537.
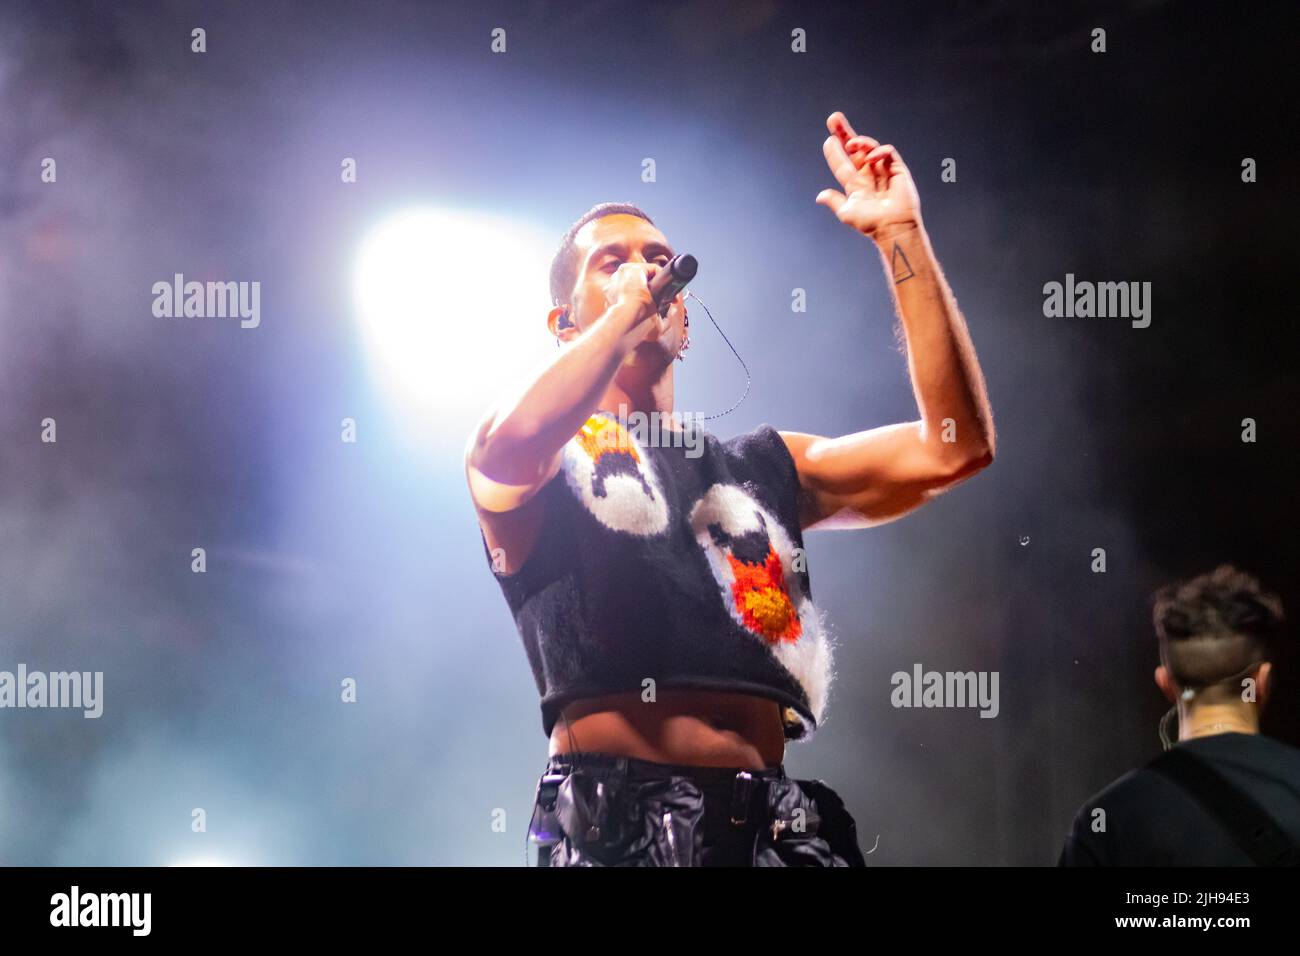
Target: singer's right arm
x=516, y=448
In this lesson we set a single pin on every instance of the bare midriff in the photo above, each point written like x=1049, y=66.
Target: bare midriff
x=695, y=728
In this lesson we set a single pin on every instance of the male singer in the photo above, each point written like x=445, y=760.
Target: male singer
x=663, y=598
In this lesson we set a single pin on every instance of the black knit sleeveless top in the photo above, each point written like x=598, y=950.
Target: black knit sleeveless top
x=677, y=561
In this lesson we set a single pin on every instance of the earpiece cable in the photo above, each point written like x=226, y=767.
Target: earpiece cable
x=748, y=380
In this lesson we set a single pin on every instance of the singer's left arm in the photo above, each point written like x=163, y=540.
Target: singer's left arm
x=876, y=475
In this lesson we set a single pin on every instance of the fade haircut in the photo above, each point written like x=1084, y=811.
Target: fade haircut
x=1214, y=626
x=564, y=267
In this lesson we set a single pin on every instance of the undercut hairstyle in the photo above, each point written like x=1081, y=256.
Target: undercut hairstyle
x=564, y=267
x=1214, y=626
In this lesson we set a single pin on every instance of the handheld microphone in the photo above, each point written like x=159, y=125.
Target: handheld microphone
x=672, y=279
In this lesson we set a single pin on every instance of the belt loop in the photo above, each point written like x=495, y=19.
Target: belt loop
x=741, y=792
x=620, y=771
x=547, y=788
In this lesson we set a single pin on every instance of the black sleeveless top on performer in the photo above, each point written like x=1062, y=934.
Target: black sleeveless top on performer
x=678, y=560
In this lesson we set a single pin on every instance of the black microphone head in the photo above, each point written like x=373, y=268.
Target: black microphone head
x=671, y=279
x=685, y=266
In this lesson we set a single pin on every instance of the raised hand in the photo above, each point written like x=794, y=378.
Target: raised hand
x=879, y=196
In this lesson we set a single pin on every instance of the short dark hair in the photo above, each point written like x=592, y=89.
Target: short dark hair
x=564, y=267
x=1214, y=626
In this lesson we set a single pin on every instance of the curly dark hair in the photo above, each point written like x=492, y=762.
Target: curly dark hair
x=564, y=267
x=1215, y=625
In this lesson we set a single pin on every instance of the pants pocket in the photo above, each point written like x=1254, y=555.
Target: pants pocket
x=615, y=822
x=807, y=825
x=838, y=828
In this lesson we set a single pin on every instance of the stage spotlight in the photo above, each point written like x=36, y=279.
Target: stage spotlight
x=451, y=302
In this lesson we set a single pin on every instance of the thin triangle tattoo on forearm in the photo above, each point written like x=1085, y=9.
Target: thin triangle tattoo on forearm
x=902, y=269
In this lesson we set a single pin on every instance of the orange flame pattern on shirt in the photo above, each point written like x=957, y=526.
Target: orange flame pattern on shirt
x=762, y=600
x=600, y=435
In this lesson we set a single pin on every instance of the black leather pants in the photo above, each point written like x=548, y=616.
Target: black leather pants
x=595, y=809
